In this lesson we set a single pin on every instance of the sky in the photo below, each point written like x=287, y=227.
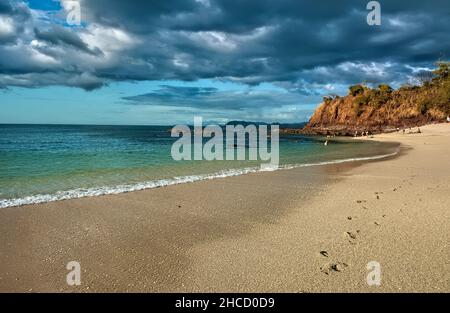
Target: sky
x=142, y=62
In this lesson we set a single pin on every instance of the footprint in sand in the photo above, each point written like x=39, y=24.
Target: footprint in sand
x=324, y=253
x=331, y=267
x=378, y=195
x=361, y=201
x=377, y=224
x=352, y=236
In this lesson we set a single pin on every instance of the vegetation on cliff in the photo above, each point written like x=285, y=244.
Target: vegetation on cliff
x=383, y=108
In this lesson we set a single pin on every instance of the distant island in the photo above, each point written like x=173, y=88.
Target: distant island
x=281, y=125
x=384, y=109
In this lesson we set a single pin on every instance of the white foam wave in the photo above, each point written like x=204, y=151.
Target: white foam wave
x=109, y=190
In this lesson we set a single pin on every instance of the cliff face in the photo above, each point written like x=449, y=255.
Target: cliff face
x=384, y=109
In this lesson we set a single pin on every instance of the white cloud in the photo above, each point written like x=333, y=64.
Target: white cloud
x=6, y=26
x=108, y=39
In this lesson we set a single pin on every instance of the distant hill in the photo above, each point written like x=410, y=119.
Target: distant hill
x=245, y=123
x=281, y=125
x=292, y=125
x=383, y=109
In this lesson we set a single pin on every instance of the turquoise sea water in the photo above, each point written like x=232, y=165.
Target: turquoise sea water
x=40, y=163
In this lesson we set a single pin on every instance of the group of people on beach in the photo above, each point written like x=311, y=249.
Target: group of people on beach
x=410, y=131
x=363, y=133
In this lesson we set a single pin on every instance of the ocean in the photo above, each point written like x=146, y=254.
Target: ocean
x=42, y=163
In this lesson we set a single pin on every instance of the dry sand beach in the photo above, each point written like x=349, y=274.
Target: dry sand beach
x=301, y=230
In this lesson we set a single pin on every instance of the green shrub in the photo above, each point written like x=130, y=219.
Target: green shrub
x=426, y=84
x=357, y=108
x=385, y=88
x=362, y=100
x=356, y=90
x=408, y=87
x=327, y=99
x=379, y=100
x=443, y=70
x=359, y=103
x=423, y=106
x=443, y=97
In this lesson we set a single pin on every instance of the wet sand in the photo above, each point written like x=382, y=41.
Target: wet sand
x=300, y=230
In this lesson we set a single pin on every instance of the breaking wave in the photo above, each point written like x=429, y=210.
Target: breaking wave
x=109, y=190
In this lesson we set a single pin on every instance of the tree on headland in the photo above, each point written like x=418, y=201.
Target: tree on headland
x=385, y=88
x=356, y=90
x=442, y=70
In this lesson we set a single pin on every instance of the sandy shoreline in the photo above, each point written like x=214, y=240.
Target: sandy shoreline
x=259, y=232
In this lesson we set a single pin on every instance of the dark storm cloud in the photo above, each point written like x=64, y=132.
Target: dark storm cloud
x=11, y=21
x=17, y=9
x=5, y=8
x=212, y=98
x=256, y=41
x=138, y=15
x=294, y=44
x=58, y=35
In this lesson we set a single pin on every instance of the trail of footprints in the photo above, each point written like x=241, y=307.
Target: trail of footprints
x=352, y=237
